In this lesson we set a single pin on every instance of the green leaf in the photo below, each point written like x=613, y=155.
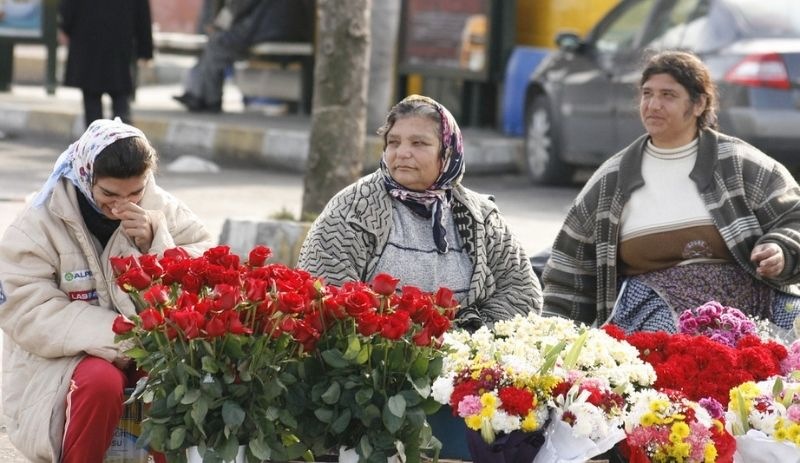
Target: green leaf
x=422, y=385
x=370, y=414
x=435, y=367
x=353, y=348
x=137, y=353
x=574, y=351
x=199, y=411
x=341, y=423
x=334, y=358
x=191, y=396
x=158, y=437
x=550, y=357
x=324, y=414
x=364, y=396
x=363, y=355
x=419, y=367
x=229, y=449
x=260, y=449
x=397, y=405
x=232, y=413
x=176, y=438
x=331, y=396
x=394, y=413
x=175, y=396
x=233, y=347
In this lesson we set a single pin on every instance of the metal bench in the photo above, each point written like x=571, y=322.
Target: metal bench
x=283, y=53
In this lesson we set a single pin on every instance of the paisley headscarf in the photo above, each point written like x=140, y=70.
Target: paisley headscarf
x=430, y=203
x=77, y=162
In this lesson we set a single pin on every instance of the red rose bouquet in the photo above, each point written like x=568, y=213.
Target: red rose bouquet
x=372, y=352
x=215, y=336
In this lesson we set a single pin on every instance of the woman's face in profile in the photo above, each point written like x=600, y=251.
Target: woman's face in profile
x=110, y=193
x=412, y=152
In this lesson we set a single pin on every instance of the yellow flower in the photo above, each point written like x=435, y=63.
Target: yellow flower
x=680, y=451
x=679, y=432
x=530, y=423
x=489, y=401
x=780, y=433
x=710, y=453
x=649, y=419
x=473, y=422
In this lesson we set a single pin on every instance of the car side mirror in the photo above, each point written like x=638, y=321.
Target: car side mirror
x=569, y=41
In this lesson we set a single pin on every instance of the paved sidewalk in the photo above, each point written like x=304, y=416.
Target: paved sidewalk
x=240, y=134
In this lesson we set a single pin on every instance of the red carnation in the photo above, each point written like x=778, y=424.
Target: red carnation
x=516, y=401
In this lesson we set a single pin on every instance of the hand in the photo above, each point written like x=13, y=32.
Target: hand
x=768, y=258
x=122, y=362
x=135, y=224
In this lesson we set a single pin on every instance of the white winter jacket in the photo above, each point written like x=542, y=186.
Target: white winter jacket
x=58, y=300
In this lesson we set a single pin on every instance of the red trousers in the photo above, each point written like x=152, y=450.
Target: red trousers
x=94, y=408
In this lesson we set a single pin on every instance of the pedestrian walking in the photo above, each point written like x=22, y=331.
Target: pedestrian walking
x=105, y=37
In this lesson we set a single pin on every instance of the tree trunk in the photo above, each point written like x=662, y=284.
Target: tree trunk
x=382, y=59
x=338, y=121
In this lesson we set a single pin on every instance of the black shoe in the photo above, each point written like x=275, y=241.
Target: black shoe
x=191, y=102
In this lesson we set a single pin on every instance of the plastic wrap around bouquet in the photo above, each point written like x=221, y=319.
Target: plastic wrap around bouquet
x=506, y=382
x=586, y=421
x=765, y=419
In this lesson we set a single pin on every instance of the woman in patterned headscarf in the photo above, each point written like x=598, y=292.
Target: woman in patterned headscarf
x=414, y=220
x=63, y=375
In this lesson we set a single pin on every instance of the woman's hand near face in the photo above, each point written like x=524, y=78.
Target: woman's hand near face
x=768, y=258
x=135, y=224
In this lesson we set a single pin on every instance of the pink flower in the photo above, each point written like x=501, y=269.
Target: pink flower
x=469, y=405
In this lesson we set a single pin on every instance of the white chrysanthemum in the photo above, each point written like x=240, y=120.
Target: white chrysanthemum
x=442, y=389
x=590, y=421
x=503, y=422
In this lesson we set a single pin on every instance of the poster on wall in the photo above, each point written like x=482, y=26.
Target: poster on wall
x=446, y=36
x=21, y=18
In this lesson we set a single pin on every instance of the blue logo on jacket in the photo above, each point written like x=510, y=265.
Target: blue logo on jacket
x=2, y=293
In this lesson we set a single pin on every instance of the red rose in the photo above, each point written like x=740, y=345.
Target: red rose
x=395, y=325
x=176, y=255
x=444, y=298
x=226, y=296
x=291, y=303
x=157, y=295
x=259, y=255
x=151, y=319
x=368, y=323
x=150, y=264
x=217, y=254
x=255, y=290
x=122, y=325
x=358, y=302
x=135, y=278
x=215, y=328
x=384, y=284
x=121, y=265
x=422, y=338
x=189, y=321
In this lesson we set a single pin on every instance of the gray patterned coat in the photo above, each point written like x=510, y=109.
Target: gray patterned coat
x=347, y=239
x=751, y=197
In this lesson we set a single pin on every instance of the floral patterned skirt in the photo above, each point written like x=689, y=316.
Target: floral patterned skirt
x=653, y=301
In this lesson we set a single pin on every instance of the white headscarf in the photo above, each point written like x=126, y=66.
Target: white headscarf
x=77, y=162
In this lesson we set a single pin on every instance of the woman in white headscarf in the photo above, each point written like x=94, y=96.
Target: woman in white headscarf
x=63, y=375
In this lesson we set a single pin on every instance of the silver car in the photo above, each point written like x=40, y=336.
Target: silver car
x=582, y=101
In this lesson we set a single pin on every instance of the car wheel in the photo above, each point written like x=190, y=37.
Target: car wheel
x=542, y=148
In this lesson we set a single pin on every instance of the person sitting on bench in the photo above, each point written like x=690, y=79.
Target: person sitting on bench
x=239, y=25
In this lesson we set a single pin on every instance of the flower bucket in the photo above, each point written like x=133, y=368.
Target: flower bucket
x=514, y=447
x=193, y=456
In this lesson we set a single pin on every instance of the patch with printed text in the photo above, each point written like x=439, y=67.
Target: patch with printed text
x=88, y=295
x=78, y=275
